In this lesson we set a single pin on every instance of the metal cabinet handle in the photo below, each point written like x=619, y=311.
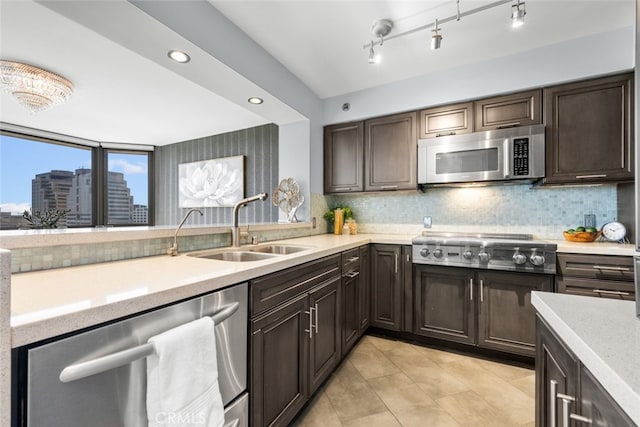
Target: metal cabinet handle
x=566, y=401
x=352, y=274
x=603, y=175
x=553, y=408
x=388, y=187
x=444, y=134
x=603, y=291
x=610, y=268
x=310, y=330
x=396, y=263
x=581, y=419
x=353, y=258
x=471, y=289
x=481, y=290
x=509, y=125
x=316, y=325
x=342, y=189
x=124, y=357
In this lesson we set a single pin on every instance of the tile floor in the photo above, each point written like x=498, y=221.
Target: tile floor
x=390, y=383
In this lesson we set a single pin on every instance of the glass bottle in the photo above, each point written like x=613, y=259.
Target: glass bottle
x=337, y=221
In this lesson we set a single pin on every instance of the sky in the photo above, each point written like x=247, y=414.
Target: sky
x=21, y=160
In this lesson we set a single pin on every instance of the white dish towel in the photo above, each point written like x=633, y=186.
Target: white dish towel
x=182, y=378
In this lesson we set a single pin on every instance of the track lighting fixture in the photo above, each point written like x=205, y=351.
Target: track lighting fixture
x=381, y=28
x=436, y=38
x=518, y=12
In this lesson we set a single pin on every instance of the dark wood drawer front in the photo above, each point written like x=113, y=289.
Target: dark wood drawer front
x=276, y=288
x=519, y=109
x=596, y=288
x=607, y=267
x=350, y=260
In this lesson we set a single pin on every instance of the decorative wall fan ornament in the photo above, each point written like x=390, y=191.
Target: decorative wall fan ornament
x=287, y=198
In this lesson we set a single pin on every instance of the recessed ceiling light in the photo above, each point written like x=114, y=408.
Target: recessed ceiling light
x=179, y=56
x=255, y=100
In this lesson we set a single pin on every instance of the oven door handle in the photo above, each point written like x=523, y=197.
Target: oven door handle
x=124, y=357
x=506, y=157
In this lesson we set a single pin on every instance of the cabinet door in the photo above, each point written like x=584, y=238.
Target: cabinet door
x=443, y=303
x=343, y=158
x=447, y=120
x=557, y=371
x=506, y=318
x=386, y=289
x=391, y=153
x=279, y=369
x=598, y=405
x=364, y=296
x=518, y=109
x=407, y=289
x=350, y=309
x=324, y=354
x=589, y=128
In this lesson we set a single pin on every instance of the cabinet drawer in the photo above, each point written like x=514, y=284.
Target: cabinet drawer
x=596, y=288
x=276, y=288
x=607, y=267
x=351, y=260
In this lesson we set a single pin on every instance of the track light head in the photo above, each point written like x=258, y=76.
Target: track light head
x=436, y=38
x=372, y=55
x=518, y=11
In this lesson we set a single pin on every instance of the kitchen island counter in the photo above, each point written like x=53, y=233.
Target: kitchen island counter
x=604, y=334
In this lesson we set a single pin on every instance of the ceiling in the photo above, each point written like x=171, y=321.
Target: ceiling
x=127, y=90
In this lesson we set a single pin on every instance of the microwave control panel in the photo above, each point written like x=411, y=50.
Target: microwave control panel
x=521, y=156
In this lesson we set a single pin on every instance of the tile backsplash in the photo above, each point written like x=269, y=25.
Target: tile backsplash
x=542, y=211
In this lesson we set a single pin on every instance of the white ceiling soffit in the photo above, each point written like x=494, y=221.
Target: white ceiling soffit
x=126, y=88
x=321, y=41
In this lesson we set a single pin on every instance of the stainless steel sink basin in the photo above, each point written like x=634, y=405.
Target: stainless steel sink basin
x=279, y=249
x=249, y=253
x=236, y=256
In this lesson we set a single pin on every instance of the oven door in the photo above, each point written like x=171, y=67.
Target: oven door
x=448, y=161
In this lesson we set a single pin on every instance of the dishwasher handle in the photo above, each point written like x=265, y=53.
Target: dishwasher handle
x=124, y=357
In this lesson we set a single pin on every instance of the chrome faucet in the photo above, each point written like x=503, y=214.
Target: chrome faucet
x=173, y=250
x=235, y=231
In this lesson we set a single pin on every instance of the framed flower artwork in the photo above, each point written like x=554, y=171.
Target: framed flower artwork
x=213, y=183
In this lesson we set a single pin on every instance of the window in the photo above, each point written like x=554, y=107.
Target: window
x=59, y=185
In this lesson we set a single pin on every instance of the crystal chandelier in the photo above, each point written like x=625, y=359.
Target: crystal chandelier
x=36, y=89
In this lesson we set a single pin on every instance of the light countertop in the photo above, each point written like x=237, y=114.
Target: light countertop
x=605, y=335
x=595, y=248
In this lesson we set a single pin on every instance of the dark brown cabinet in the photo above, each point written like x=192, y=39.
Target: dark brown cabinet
x=343, y=158
x=364, y=297
x=489, y=309
x=506, y=318
x=389, y=264
x=443, y=303
x=565, y=389
x=390, y=153
x=446, y=120
x=604, y=276
x=517, y=109
x=589, y=131
x=352, y=294
x=295, y=338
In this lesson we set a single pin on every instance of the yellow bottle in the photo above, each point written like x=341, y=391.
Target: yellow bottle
x=337, y=221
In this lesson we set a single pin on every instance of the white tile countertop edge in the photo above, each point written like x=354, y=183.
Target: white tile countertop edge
x=605, y=335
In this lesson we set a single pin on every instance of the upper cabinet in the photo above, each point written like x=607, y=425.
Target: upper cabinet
x=518, y=109
x=343, y=157
x=390, y=153
x=446, y=120
x=589, y=131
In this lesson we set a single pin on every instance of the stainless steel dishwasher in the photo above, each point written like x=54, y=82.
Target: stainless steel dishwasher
x=98, y=378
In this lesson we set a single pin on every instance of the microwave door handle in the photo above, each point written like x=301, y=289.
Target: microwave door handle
x=506, y=158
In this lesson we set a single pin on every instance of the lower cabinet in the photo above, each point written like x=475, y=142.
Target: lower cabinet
x=390, y=273
x=355, y=296
x=486, y=308
x=295, y=338
x=566, y=392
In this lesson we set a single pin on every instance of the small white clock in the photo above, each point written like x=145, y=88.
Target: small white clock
x=614, y=231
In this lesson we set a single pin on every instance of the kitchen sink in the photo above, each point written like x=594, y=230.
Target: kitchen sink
x=236, y=256
x=279, y=249
x=249, y=253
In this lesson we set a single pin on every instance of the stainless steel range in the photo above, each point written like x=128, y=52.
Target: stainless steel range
x=509, y=252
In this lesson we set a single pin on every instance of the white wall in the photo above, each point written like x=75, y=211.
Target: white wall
x=576, y=59
x=293, y=162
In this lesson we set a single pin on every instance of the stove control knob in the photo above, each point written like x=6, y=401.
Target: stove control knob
x=437, y=253
x=467, y=255
x=484, y=256
x=424, y=252
x=519, y=258
x=537, y=259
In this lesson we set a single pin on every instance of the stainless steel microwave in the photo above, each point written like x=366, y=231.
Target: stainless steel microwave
x=497, y=155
